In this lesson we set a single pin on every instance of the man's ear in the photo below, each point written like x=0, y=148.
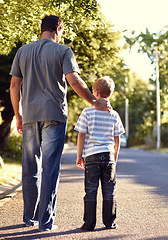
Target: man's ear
x=57, y=29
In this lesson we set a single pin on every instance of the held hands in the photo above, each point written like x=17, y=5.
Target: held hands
x=80, y=163
x=102, y=104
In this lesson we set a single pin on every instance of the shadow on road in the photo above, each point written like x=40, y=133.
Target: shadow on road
x=35, y=234
x=147, y=168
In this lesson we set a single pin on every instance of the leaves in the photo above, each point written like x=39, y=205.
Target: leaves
x=87, y=32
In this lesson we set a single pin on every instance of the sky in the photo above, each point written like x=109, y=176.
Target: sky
x=137, y=15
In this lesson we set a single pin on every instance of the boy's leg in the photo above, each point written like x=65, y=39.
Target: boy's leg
x=108, y=181
x=92, y=175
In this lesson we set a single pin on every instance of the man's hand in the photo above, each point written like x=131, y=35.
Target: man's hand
x=19, y=125
x=80, y=163
x=103, y=104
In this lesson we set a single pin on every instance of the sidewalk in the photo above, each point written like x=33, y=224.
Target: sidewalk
x=7, y=189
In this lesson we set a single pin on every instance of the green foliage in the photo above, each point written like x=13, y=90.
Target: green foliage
x=147, y=44
x=141, y=104
x=75, y=107
x=14, y=147
x=95, y=45
x=21, y=19
x=144, y=129
x=87, y=32
x=20, y=22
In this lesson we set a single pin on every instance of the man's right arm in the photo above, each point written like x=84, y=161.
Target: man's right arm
x=15, y=94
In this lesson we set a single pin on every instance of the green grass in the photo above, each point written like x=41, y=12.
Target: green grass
x=161, y=150
x=11, y=156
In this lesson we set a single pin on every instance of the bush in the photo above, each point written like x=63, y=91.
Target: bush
x=13, y=148
x=15, y=145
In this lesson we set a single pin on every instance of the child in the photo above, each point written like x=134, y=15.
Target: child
x=98, y=142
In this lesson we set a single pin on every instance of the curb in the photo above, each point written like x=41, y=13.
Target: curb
x=8, y=188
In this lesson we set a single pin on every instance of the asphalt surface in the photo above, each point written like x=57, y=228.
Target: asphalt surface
x=142, y=193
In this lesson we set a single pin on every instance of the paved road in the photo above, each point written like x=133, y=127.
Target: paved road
x=142, y=183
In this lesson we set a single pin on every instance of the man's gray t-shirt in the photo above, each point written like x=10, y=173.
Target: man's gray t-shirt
x=43, y=65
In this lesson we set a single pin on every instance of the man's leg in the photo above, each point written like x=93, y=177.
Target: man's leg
x=31, y=172
x=53, y=137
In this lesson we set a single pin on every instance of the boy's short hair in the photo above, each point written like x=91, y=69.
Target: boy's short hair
x=105, y=85
x=50, y=23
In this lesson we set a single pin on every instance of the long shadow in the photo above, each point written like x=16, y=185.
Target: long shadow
x=147, y=168
x=158, y=238
x=144, y=167
x=35, y=234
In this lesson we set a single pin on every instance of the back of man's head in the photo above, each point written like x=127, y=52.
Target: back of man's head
x=50, y=23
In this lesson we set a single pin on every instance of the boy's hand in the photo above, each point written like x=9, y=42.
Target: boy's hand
x=80, y=163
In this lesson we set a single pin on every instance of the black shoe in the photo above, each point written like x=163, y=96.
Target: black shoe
x=85, y=228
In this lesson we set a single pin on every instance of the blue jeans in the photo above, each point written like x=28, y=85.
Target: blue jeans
x=42, y=148
x=99, y=167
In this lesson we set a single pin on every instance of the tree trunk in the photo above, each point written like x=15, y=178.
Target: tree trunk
x=7, y=116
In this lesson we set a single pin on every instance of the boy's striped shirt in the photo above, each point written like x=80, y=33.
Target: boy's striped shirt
x=100, y=128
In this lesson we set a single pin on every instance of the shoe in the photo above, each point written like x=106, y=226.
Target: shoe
x=83, y=227
x=54, y=227
x=113, y=226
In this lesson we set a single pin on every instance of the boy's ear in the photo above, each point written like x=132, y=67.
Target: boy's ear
x=96, y=92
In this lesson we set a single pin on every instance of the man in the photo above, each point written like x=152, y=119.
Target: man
x=40, y=68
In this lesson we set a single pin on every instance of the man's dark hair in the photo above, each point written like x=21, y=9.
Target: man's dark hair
x=50, y=23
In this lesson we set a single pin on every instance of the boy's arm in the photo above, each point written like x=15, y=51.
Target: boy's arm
x=116, y=147
x=80, y=144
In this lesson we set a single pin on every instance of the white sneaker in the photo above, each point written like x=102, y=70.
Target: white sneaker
x=54, y=227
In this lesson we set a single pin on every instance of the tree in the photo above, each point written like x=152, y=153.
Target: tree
x=5, y=103
x=90, y=36
x=140, y=97
x=96, y=49
x=147, y=43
